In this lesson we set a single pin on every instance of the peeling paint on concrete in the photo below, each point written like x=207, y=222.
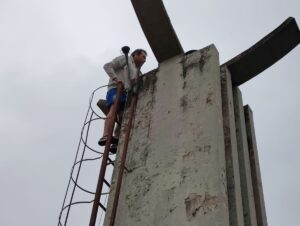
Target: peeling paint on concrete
x=189, y=156
x=201, y=204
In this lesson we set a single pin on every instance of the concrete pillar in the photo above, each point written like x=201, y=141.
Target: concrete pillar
x=255, y=169
x=244, y=163
x=176, y=155
x=232, y=163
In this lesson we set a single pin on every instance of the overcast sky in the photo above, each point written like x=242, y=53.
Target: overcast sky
x=51, y=57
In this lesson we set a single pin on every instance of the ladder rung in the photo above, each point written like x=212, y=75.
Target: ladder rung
x=111, y=161
x=102, y=207
x=105, y=181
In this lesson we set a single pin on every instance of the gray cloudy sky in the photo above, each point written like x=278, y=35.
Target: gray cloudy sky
x=51, y=57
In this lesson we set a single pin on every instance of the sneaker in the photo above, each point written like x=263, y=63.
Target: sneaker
x=103, y=140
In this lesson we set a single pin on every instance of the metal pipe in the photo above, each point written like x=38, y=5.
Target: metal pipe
x=123, y=159
x=105, y=157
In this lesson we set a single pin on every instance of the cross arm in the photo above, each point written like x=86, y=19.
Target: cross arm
x=264, y=53
x=157, y=28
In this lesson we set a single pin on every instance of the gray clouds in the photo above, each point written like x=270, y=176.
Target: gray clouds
x=51, y=59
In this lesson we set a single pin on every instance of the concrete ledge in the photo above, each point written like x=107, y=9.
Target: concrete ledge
x=157, y=28
x=264, y=53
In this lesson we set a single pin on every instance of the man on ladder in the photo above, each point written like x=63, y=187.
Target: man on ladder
x=122, y=70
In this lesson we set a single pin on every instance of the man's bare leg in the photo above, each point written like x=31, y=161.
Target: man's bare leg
x=102, y=141
x=118, y=127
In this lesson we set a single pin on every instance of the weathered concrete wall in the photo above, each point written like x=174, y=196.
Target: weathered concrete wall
x=232, y=162
x=188, y=157
x=244, y=162
x=176, y=155
x=255, y=169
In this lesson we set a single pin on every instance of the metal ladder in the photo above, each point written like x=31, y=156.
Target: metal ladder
x=83, y=150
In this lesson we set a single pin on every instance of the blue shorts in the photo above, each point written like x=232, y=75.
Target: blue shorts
x=111, y=96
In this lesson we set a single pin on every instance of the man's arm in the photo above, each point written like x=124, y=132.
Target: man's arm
x=115, y=65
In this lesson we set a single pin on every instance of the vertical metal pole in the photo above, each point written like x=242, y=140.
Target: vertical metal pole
x=123, y=160
x=105, y=157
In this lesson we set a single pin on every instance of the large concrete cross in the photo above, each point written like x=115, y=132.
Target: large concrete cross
x=164, y=43
x=209, y=173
